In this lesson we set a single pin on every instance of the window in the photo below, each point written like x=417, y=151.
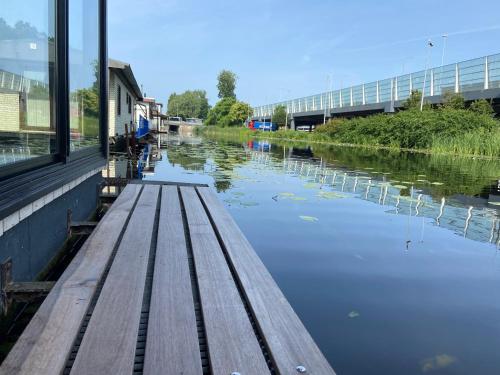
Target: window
x=119, y=100
x=27, y=66
x=84, y=72
x=129, y=103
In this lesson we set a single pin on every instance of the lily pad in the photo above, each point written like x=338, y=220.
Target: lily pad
x=437, y=362
x=298, y=199
x=494, y=203
x=400, y=186
x=311, y=219
x=437, y=183
x=353, y=314
x=311, y=185
x=285, y=194
x=330, y=195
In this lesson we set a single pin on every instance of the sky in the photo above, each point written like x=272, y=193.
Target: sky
x=283, y=49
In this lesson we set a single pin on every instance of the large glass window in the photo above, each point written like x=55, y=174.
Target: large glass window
x=27, y=65
x=84, y=73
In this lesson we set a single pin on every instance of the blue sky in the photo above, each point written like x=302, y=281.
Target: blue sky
x=286, y=48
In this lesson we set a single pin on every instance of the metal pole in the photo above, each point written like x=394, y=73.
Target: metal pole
x=425, y=75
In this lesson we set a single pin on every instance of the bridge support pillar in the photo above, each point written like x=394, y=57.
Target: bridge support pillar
x=292, y=124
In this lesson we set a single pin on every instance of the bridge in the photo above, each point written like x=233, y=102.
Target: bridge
x=474, y=79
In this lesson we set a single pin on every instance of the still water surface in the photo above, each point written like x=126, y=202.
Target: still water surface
x=391, y=260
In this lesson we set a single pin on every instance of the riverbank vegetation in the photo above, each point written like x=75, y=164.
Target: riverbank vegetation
x=451, y=128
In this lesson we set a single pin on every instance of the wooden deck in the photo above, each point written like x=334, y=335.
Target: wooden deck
x=166, y=284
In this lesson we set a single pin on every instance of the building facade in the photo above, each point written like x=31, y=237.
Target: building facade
x=124, y=94
x=53, y=124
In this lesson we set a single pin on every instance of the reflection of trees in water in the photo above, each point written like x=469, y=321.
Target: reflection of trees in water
x=219, y=160
x=453, y=174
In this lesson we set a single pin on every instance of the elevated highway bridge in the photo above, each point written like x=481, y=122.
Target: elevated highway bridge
x=473, y=79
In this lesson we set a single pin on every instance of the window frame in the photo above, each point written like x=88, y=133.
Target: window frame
x=62, y=160
x=118, y=100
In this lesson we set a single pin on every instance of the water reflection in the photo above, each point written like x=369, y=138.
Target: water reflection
x=429, y=191
x=389, y=257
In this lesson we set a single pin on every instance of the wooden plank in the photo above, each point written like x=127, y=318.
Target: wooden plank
x=172, y=345
x=287, y=339
x=109, y=343
x=232, y=345
x=44, y=346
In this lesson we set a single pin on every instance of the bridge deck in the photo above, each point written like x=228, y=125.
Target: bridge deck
x=166, y=284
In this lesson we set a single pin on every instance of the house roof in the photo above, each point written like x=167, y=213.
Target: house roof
x=127, y=73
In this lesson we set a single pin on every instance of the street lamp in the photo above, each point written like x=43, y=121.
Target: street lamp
x=430, y=44
x=328, y=90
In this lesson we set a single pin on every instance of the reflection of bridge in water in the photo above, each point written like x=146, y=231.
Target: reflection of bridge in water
x=479, y=222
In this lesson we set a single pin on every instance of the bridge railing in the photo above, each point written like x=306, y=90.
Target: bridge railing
x=477, y=74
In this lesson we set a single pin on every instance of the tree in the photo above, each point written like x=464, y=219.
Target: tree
x=414, y=100
x=482, y=107
x=453, y=101
x=238, y=113
x=226, y=84
x=189, y=104
x=218, y=115
x=279, y=116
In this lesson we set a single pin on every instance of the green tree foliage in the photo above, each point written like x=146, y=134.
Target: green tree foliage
x=239, y=113
x=226, y=84
x=482, y=106
x=218, y=115
x=413, y=101
x=190, y=104
x=453, y=100
x=279, y=115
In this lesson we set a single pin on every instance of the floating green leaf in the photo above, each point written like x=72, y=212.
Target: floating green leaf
x=285, y=194
x=330, y=195
x=494, y=203
x=311, y=185
x=437, y=183
x=311, y=219
x=353, y=314
x=400, y=186
x=437, y=362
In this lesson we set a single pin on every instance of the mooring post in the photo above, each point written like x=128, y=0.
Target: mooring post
x=5, y=279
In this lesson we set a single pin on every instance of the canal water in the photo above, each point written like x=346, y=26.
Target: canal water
x=391, y=259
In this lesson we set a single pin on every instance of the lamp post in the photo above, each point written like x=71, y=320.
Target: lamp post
x=445, y=39
x=430, y=44
x=328, y=90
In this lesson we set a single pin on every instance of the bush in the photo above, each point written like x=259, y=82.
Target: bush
x=482, y=107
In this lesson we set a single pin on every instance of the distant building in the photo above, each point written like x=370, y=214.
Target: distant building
x=150, y=110
x=124, y=94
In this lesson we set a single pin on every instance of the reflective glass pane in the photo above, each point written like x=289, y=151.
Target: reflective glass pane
x=357, y=95
x=84, y=73
x=371, y=93
x=346, y=97
x=494, y=71
x=27, y=64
